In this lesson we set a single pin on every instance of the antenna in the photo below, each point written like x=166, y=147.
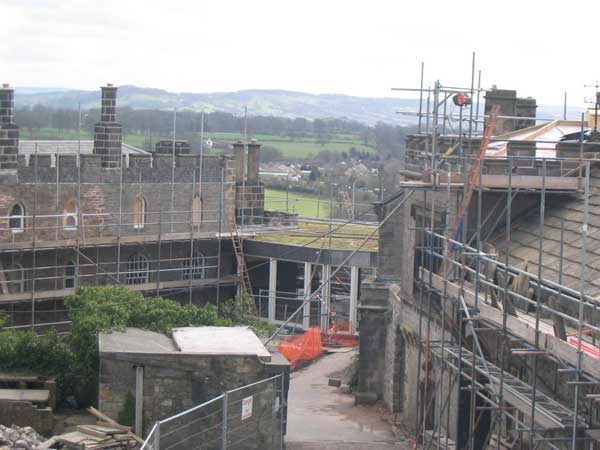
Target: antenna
x=596, y=103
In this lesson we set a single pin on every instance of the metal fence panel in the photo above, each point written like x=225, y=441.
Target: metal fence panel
x=247, y=418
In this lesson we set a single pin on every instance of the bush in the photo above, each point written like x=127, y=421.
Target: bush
x=74, y=360
x=242, y=311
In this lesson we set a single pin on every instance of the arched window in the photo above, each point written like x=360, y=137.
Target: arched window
x=193, y=267
x=17, y=218
x=71, y=216
x=137, y=269
x=139, y=212
x=70, y=275
x=196, y=212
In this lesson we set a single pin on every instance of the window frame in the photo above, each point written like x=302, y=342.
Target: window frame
x=140, y=202
x=17, y=217
x=138, y=270
x=71, y=216
x=70, y=277
x=196, y=212
x=191, y=269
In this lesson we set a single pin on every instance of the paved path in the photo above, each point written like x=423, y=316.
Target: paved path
x=320, y=417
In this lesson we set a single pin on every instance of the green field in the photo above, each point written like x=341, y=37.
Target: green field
x=137, y=140
x=290, y=148
x=300, y=147
x=301, y=203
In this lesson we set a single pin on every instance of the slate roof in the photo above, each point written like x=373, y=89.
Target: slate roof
x=70, y=148
x=567, y=210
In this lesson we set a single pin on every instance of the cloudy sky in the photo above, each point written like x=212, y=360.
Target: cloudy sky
x=324, y=46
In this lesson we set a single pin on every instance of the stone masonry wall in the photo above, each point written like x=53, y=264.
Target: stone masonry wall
x=172, y=382
x=44, y=189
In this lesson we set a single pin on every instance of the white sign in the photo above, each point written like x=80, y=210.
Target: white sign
x=247, y=408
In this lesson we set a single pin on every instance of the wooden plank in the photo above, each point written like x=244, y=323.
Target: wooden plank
x=61, y=293
x=522, y=328
x=92, y=432
x=47, y=444
x=101, y=416
x=104, y=418
x=529, y=182
x=27, y=395
x=105, y=426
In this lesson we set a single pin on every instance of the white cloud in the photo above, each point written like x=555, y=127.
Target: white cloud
x=353, y=47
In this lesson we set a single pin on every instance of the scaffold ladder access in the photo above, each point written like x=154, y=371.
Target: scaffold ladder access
x=238, y=247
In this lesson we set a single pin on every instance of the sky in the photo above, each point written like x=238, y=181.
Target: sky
x=361, y=48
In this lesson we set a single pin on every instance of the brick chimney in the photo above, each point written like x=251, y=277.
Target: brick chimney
x=9, y=131
x=108, y=134
x=238, y=155
x=253, y=162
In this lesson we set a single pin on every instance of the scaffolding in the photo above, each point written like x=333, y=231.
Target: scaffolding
x=488, y=304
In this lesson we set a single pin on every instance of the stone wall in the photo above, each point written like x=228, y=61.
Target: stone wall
x=44, y=189
x=25, y=414
x=173, y=382
x=9, y=131
x=250, y=201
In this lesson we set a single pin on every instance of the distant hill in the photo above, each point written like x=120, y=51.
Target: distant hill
x=259, y=102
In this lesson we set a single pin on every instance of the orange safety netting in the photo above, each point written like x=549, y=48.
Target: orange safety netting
x=302, y=348
x=341, y=334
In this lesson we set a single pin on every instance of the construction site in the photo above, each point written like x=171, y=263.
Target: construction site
x=485, y=299
x=470, y=287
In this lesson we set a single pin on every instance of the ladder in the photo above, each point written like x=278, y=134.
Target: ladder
x=549, y=413
x=238, y=248
x=347, y=204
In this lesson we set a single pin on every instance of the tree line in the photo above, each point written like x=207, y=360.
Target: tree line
x=387, y=139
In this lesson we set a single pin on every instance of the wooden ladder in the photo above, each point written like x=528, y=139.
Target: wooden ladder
x=238, y=248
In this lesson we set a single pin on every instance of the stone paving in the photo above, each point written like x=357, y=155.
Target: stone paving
x=321, y=417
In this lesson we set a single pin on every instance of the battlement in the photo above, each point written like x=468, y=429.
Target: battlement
x=89, y=168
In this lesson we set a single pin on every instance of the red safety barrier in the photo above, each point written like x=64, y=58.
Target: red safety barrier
x=304, y=348
x=341, y=334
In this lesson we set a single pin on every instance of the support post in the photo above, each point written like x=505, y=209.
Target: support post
x=326, y=302
x=139, y=400
x=307, y=292
x=272, y=288
x=224, y=422
x=157, y=436
x=354, y=279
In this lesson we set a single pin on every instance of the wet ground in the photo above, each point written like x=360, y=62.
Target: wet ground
x=321, y=417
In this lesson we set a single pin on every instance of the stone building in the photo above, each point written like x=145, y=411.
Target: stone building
x=175, y=373
x=99, y=212
x=498, y=283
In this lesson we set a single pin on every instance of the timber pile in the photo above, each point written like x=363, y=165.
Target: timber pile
x=106, y=434
x=96, y=437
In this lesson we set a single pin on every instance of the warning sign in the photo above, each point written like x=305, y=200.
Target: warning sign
x=247, y=408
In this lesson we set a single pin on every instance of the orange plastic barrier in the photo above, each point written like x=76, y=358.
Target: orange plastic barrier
x=341, y=334
x=302, y=348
